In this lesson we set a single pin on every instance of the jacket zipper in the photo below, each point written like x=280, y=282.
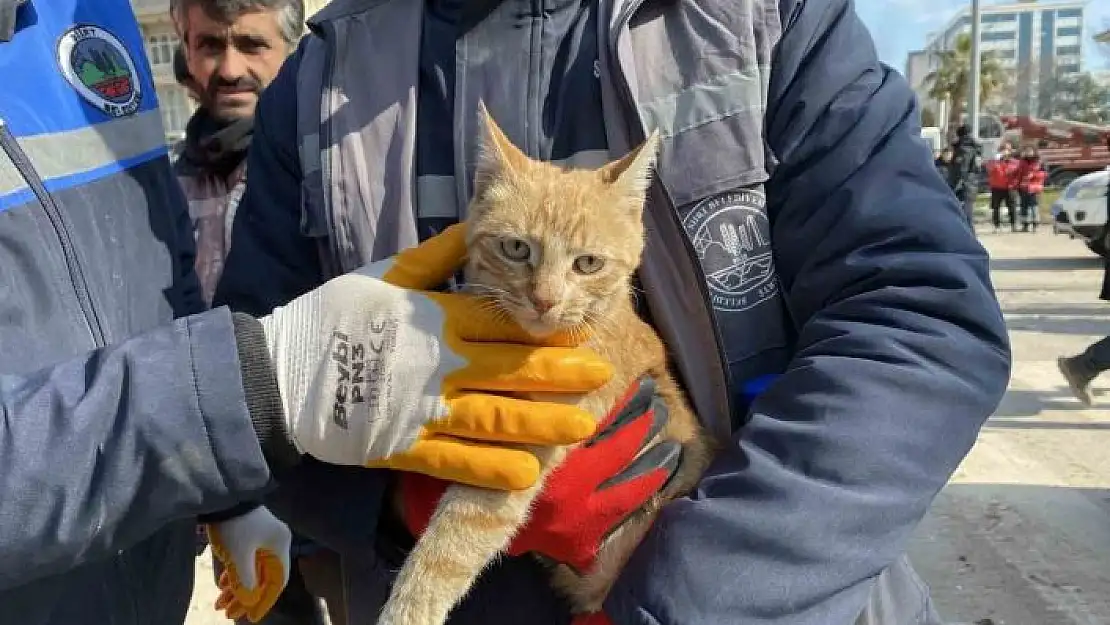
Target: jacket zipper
x=637, y=131
x=76, y=275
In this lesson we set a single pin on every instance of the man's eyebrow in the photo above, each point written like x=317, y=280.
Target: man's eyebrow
x=211, y=38
x=252, y=38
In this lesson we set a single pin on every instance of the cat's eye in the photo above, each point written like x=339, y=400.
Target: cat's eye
x=588, y=264
x=515, y=249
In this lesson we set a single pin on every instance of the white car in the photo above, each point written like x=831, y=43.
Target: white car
x=1081, y=211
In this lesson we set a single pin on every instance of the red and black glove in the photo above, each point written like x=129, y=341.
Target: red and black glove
x=596, y=488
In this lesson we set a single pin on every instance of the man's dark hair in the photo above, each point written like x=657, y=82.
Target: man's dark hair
x=290, y=13
x=180, y=67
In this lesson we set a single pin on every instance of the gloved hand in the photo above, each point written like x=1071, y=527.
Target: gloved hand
x=254, y=551
x=596, y=488
x=374, y=372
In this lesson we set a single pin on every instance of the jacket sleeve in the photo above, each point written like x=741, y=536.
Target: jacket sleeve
x=902, y=355
x=100, y=452
x=270, y=261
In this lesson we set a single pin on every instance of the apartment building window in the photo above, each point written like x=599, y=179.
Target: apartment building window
x=1007, y=35
x=1069, y=13
x=1071, y=68
x=1067, y=50
x=1067, y=31
x=159, y=48
x=175, y=107
x=998, y=18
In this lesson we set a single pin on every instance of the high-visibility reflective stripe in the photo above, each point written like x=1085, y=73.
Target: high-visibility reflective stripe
x=67, y=154
x=700, y=104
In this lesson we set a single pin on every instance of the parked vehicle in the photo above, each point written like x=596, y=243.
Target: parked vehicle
x=1082, y=211
x=1068, y=149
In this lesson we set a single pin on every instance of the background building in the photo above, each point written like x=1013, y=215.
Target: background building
x=1041, y=42
x=161, y=39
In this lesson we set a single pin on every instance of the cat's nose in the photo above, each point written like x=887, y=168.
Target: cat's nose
x=541, y=304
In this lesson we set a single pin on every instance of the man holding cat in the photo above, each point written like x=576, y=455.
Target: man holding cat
x=809, y=270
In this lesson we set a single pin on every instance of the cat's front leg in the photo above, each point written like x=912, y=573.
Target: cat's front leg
x=406, y=607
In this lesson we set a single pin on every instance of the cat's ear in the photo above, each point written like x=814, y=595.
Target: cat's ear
x=497, y=156
x=632, y=173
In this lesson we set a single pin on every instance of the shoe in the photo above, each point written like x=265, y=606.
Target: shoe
x=1078, y=382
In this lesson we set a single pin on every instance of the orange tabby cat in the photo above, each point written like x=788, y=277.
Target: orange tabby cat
x=556, y=249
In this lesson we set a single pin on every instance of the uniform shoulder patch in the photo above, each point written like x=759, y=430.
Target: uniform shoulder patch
x=731, y=235
x=99, y=67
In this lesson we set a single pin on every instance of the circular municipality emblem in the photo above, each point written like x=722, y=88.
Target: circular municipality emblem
x=96, y=64
x=731, y=236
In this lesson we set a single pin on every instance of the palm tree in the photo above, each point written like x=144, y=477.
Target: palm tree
x=952, y=77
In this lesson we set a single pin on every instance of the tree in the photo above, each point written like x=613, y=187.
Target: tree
x=1077, y=97
x=951, y=79
x=928, y=117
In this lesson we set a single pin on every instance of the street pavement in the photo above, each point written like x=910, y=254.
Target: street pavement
x=1021, y=535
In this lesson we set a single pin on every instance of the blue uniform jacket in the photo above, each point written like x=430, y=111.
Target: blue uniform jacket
x=118, y=425
x=899, y=355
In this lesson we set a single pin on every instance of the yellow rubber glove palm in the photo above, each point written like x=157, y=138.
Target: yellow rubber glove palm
x=375, y=370
x=254, y=551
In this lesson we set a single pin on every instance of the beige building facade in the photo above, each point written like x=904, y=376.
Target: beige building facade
x=161, y=39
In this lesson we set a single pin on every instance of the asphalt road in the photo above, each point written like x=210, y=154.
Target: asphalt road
x=1021, y=536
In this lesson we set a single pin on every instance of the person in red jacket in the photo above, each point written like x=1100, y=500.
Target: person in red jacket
x=1030, y=185
x=1002, y=176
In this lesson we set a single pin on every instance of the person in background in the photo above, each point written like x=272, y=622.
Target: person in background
x=1080, y=370
x=230, y=51
x=963, y=170
x=1031, y=179
x=942, y=160
x=1002, y=176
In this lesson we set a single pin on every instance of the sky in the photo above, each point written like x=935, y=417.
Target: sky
x=899, y=26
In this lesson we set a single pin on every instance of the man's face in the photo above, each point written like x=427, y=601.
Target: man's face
x=233, y=62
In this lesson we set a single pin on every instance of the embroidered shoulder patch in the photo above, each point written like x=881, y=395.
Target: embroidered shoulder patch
x=99, y=67
x=732, y=238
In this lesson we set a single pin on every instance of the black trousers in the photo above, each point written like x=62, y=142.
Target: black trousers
x=998, y=197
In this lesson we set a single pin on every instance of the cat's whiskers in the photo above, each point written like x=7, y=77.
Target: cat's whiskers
x=601, y=323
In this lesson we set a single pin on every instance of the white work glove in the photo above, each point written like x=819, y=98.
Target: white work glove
x=373, y=372
x=254, y=550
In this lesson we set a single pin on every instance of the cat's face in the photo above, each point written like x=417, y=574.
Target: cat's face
x=554, y=248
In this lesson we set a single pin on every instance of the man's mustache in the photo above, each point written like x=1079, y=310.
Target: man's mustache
x=245, y=83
